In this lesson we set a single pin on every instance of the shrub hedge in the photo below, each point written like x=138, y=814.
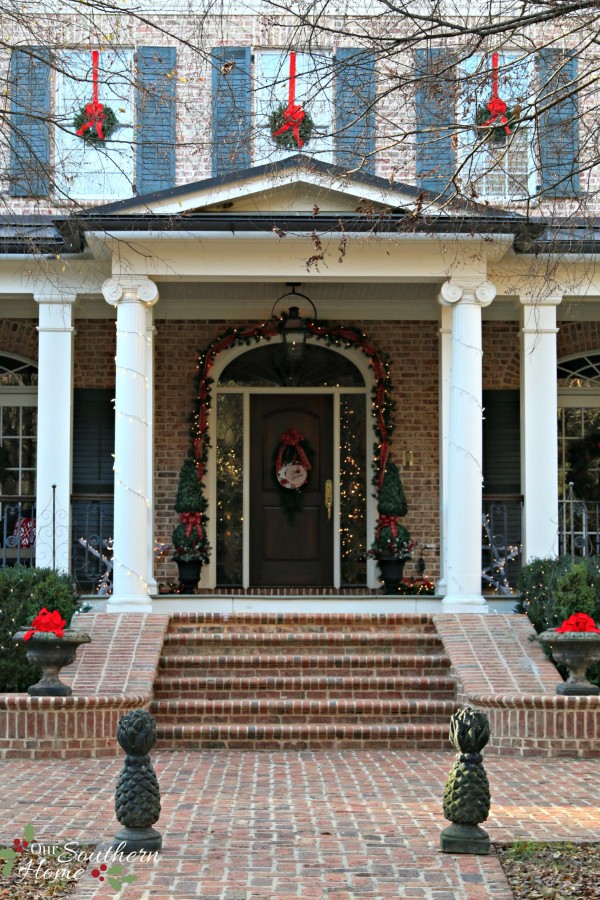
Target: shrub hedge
x=23, y=592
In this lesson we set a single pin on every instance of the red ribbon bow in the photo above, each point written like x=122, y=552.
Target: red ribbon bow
x=292, y=438
x=578, y=622
x=496, y=106
x=293, y=115
x=94, y=110
x=47, y=621
x=390, y=522
x=192, y=521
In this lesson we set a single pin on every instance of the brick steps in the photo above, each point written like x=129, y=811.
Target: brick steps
x=302, y=737
x=269, y=711
x=305, y=687
x=274, y=681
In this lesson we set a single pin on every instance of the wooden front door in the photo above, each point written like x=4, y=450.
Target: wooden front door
x=284, y=552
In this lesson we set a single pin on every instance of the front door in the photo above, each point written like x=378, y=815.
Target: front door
x=286, y=552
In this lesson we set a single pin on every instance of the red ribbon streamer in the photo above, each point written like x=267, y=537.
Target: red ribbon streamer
x=390, y=522
x=293, y=115
x=192, y=521
x=496, y=106
x=292, y=438
x=94, y=110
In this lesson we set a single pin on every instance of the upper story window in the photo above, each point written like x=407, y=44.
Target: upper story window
x=312, y=89
x=495, y=158
x=91, y=167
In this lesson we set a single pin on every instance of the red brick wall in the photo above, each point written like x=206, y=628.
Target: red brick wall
x=95, y=348
x=19, y=336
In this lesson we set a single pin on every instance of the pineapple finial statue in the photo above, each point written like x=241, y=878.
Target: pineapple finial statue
x=137, y=799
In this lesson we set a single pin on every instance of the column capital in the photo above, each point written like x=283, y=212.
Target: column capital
x=128, y=288
x=536, y=300
x=466, y=290
x=55, y=298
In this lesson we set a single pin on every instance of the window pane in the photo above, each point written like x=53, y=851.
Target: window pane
x=10, y=420
x=27, y=483
x=12, y=448
x=29, y=420
x=313, y=92
x=10, y=484
x=230, y=463
x=28, y=453
x=105, y=169
x=353, y=489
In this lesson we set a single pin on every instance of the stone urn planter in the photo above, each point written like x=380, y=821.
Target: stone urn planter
x=577, y=650
x=51, y=654
x=392, y=571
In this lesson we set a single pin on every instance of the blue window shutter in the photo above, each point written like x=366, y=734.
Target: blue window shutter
x=435, y=119
x=231, y=109
x=155, y=119
x=558, y=127
x=355, y=92
x=29, y=171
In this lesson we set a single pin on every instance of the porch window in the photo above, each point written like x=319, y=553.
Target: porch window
x=314, y=92
x=102, y=170
x=495, y=165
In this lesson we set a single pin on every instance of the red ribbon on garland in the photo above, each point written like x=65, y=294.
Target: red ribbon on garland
x=293, y=115
x=94, y=110
x=292, y=438
x=390, y=522
x=496, y=106
x=192, y=521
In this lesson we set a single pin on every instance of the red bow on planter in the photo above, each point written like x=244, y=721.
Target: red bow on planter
x=496, y=106
x=390, y=522
x=192, y=521
x=94, y=110
x=293, y=115
x=51, y=622
x=578, y=622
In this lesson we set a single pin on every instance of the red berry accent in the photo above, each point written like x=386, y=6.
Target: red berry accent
x=26, y=843
x=103, y=867
x=95, y=873
x=101, y=878
x=16, y=842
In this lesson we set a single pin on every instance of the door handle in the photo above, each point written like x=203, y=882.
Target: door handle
x=329, y=496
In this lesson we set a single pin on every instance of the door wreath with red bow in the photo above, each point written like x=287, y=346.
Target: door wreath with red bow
x=95, y=122
x=291, y=126
x=292, y=467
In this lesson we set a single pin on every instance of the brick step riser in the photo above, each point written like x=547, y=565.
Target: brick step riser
x=367, y=694
x=441, y=719
x=308, y=628
x=310, y=622
x=252, y=649
x=297, y=671
x=313, y=744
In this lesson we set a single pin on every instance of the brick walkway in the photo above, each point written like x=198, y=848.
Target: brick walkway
x=332, y=824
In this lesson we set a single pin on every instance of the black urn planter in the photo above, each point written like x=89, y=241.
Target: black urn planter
x=577, y=650
x=392, y=571
x=189, y=574
x=51, y=654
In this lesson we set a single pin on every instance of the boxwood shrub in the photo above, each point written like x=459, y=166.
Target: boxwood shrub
x=23, y=592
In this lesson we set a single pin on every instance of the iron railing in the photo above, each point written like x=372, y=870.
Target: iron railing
x=501, y=546
x=579, y=525
x=17, y=531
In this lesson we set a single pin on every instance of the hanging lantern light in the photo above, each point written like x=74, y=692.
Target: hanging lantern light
x=293, y=330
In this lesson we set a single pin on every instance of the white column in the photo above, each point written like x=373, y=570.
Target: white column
x=150, y=333
x=539, y=427
x=444, y=394
x=54, y=431
x=131, y=295
x=463, y=539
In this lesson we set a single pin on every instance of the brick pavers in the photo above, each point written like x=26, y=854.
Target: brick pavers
x=331, y=824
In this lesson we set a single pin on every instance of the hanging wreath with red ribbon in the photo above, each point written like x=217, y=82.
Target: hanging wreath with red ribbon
x=495, y=115
x=291, y=464
x=95, y=122
x=291, y=126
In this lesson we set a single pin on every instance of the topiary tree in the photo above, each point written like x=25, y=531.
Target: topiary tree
x=189, y=537
x=23, y=592
x=392, y=540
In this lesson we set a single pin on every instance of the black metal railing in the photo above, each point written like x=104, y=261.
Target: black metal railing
x=92, y=520
x=17, y=531
x=579, y=525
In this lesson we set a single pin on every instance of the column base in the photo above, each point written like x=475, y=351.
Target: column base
x=458, y=603
x=441, y=587
x=122, y=603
